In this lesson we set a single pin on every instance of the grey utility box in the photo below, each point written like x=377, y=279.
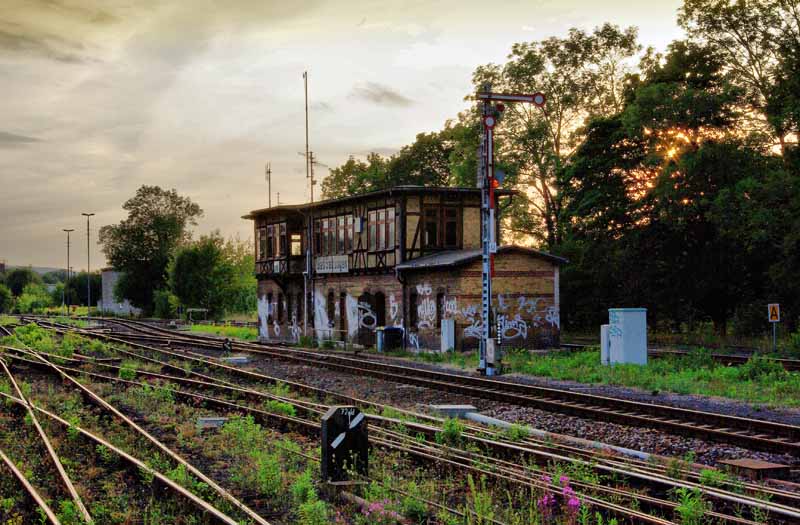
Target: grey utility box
x=627, y=335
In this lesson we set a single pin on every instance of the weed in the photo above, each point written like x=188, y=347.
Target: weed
x=713, y=478
x=691, y=506
x=314, y=512
x=302, y=489
x=451, y=433
x=279, y=407
x=127, y=372
x=516, y=432
x=480, y=499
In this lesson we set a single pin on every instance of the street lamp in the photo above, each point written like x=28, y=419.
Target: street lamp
x=65, y=295
x=88, y=268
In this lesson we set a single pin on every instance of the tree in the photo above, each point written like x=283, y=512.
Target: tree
x=240, y=255
x=583, y=76
x=425, y=162
x=75, y=288
x=34, y=298
x=18, y=278
x=201, y=276
x=141, y=245
x=756, y=41
x=56, y=276
x=6, y=299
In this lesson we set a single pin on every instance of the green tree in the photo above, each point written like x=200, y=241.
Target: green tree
x=34, y=298
x=355, y=176
x=201, y=276
x=582, y=76
x=141, y=245
x=239, y=255
x=6, y=299
x=18, y=278
x=758, y=42
x=76, y=288
x=56, y=276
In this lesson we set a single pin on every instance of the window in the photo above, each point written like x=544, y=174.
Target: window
x=280, y=308
x=261, y=245
x=380, y=309
x=296, y=244
x=283, y=247
x=450, y=227
x=441, y=227
x=289, y=306
x=333, y=235
x=381, y=229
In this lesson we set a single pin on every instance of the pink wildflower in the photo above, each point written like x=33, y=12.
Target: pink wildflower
x=563, y=480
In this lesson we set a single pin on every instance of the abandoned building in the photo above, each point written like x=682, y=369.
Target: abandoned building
x=407, y=257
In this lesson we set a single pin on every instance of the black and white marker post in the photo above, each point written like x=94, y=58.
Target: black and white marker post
x=345, y=444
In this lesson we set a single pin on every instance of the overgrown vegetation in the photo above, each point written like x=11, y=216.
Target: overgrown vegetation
x=239, y=332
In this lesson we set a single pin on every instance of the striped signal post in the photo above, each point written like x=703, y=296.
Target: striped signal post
x=493, y=107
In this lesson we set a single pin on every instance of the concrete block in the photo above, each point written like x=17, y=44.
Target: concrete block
x=453, y=410
x=210, y=422
x=757, y=469
x=236, y=360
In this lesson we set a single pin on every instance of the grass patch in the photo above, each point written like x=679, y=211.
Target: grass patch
x=760, y=380
x=237, y=332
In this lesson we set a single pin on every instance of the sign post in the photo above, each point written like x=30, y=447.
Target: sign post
x=492, y=108
x=345, y=444
x=774, y=317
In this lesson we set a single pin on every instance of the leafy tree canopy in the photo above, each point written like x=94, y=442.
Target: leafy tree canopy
x=141, y=245
x=18, y=278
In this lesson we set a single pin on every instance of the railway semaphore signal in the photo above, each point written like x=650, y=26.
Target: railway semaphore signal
x=493, y=106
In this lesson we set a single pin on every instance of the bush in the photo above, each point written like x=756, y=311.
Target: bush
x=34, y=298
x=313, y=513
x=302, y=489
x=451, y=433
x=759, y=367
x=6, y=299
x=165, y=305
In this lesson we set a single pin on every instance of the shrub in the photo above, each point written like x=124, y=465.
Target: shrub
x=165, y=304
x=451, y=433
x=302, y=489
x=34, y=298
x=268, y=474
x=313, y=513
x=127, y=372
x=6, y=299
x=279, y=407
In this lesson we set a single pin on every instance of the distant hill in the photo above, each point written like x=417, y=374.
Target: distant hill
x=41, y=270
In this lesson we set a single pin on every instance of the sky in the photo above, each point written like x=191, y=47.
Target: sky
x=98, y=97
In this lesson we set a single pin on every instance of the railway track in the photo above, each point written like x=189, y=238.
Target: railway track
x=749, y=433
x=501, y=470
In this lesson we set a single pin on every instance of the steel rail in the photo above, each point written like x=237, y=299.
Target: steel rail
x=50, y=450
x=313, y=427
x=174, y=455
x=784, y=495
x=756, y=433
x=32, y=492
x=721, y=495
x=200, y=503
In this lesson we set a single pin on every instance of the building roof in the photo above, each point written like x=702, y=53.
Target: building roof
x=461, y=257
x=396, y=190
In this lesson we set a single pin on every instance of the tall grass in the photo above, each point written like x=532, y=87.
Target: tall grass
x=237, y=332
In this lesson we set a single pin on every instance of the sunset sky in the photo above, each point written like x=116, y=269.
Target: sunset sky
x=100, y=97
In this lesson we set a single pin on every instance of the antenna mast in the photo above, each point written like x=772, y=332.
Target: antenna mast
x=268, y=177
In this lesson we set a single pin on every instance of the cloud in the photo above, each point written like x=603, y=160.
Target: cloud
x=380, y=94
x=321, y=106
x=39, y=44
x=10, y=140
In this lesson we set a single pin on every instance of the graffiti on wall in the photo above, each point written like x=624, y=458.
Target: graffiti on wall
x=263, y=314
x=531, y=312
x=426, y=309
x=512, y=328
x=366, y=316
x=394, y=310
x=450, y=306
x=413, y=341
x=294, y=329
x=474, y=329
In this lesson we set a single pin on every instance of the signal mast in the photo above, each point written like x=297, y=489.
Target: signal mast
x=493, y=107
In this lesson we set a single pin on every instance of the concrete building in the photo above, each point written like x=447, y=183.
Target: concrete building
x=409, y=257
x=107, y=303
